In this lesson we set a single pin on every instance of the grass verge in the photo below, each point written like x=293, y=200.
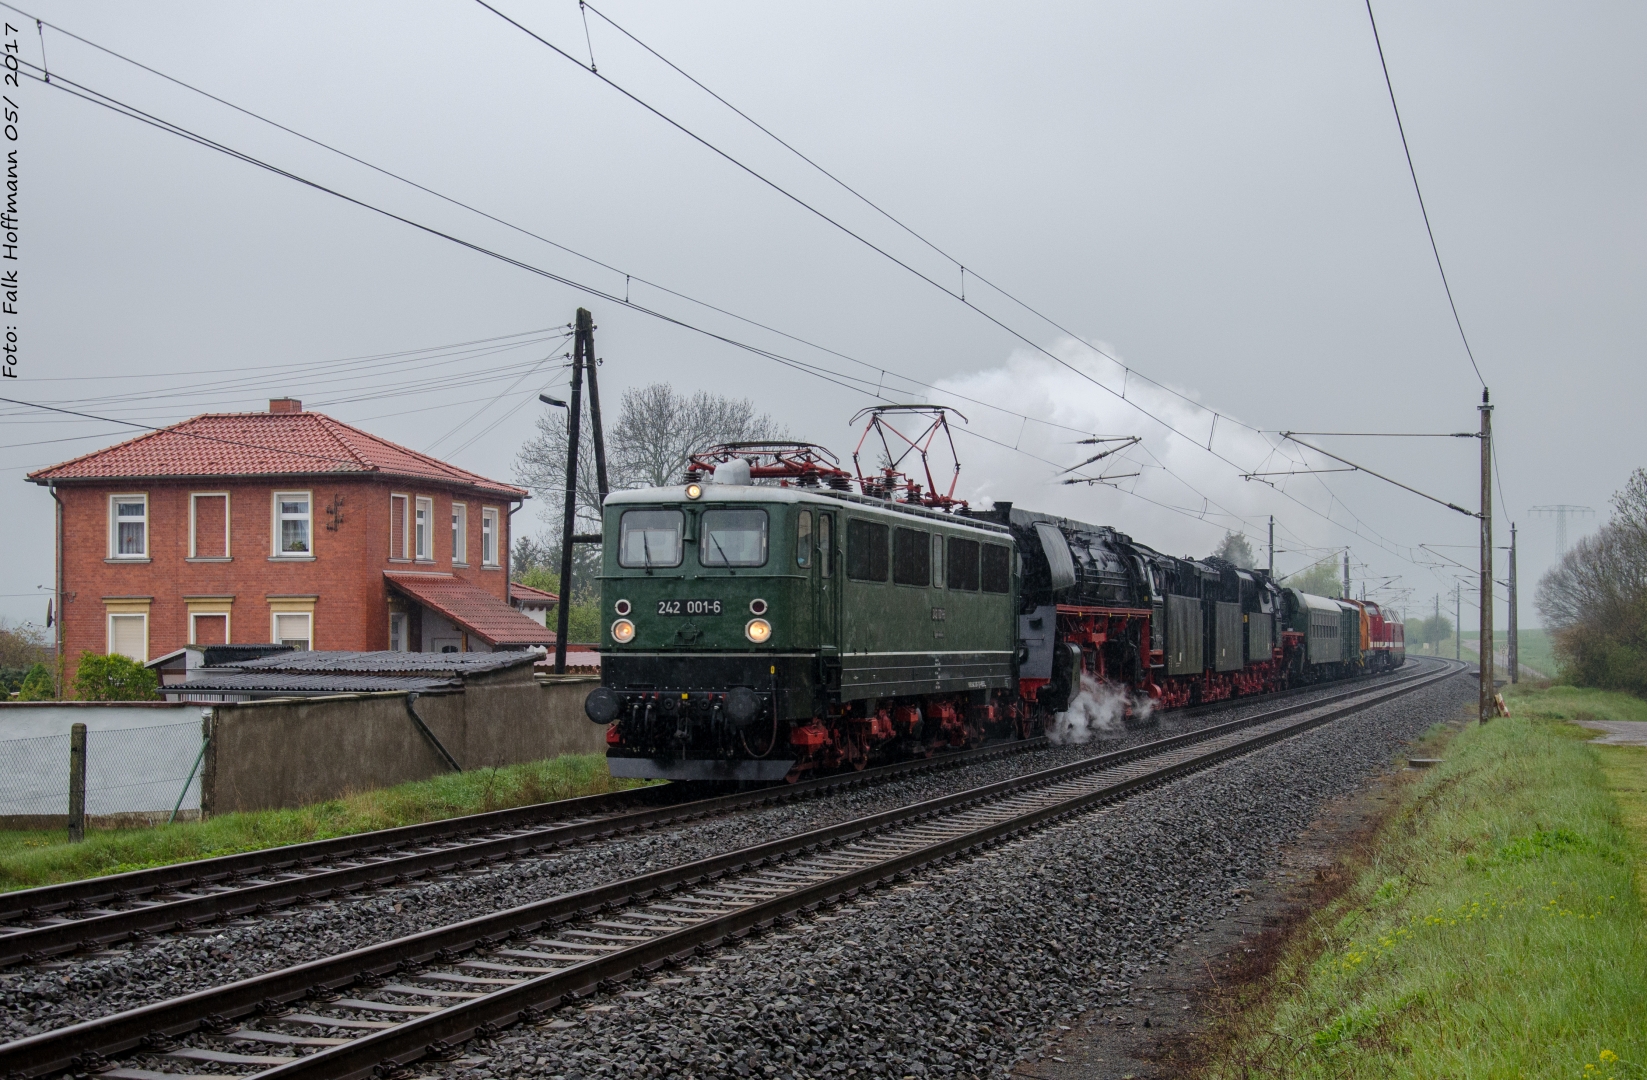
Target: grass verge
x=28, y=859
x=1494, y=928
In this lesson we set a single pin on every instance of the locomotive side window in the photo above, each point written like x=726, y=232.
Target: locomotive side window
x=997, y=575
x=963, y=564
x=803, y=539
x=733, y=538
x=823, y=544
x=911, y=558
x=937, y=561
x=866, y=550
x=650, y=538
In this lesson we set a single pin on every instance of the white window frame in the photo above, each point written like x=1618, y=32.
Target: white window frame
x=460, y=534
x=400, y=632
x=405, y=527
x=109, y=621
x=280, y=518
x=194, y=638
x=114, y=526
x=423, y=529
x=490, y=530
x=224, y=495
x=274, y=625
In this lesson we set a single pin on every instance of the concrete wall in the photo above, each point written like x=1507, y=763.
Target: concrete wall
x=268, y=754
x=139, y=760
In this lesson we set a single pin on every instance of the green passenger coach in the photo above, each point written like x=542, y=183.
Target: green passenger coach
x=759, y=632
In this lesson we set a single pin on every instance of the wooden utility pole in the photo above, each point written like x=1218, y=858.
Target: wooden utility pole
x=1487, y=708
x=586, y=326
x=77, y=783
x=574, y=428
x=1515, y=644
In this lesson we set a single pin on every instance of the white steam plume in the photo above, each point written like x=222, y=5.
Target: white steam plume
x=1100, y=706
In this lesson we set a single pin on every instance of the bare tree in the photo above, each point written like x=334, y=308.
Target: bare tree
x=656, y=432
x=1595, y=600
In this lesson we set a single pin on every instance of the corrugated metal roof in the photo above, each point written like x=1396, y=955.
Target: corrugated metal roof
x=291, y=682
x=385, y=662
x=472, y=608
x=263, y=444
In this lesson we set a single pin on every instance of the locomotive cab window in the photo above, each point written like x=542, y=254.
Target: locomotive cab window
x=803, y=539
x=997, y=569
x=732, y=538
x=963, y=564
x=650, y=538
x=911, y=558
x=866, y=550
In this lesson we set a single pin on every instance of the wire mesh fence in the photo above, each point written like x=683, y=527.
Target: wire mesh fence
x=128, y=771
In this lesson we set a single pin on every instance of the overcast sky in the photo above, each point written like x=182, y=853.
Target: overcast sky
x=1214, y=194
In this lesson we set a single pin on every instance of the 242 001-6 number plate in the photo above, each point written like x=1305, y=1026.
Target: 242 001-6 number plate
x=689, y=607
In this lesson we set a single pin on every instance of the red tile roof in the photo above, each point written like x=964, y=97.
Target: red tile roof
x=471, y=607
x=263, y=444
x=517, y=591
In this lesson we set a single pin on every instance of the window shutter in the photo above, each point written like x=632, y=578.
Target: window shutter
x=397, y=526
x=127, y=637
x=211, y=514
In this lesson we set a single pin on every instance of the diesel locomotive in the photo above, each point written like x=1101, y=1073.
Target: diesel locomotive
x=814, y=621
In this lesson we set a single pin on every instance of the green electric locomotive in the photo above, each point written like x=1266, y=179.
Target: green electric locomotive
x=753, y=633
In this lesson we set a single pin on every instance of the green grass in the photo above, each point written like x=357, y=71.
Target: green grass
x=30, y=858
x=1496, y=927
x=1537, y=650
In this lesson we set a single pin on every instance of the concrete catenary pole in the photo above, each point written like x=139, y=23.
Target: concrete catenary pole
x=574, y=428
x=1458, y=620
x=1514, y=657
x=1346, y=592
x=1272, y=545
x=1486, y=704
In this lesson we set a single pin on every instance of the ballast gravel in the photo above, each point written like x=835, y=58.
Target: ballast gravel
x=49, y=996
x=967, y=970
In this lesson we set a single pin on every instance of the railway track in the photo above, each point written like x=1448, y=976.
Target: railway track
x=377, y=1009
x=54, y=920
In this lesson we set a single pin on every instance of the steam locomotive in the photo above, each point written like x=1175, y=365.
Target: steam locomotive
x=762, y=632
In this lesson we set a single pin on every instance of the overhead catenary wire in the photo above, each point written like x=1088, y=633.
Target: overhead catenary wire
x=627, y=276
x=824, y=373
x=1412, y=170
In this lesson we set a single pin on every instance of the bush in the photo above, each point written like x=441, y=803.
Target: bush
x=38, y=685
x=114, y=678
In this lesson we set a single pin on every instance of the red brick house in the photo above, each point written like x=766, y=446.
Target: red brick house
x=282, y=526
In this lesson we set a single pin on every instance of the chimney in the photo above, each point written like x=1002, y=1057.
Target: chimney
x=285, y=404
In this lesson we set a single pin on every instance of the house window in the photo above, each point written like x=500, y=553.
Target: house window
x=294, y=629
x=129, y=526
x=397, y=632
x=460, y=534
x=209, y=525
x=423, y=529
x=488, y=536
x=398, y=526
x=129, y=636
x=292, y=524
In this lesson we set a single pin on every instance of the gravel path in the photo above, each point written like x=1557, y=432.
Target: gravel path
x=971, y=969
x=48, y=996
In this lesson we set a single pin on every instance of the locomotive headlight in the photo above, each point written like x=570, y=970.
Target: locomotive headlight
x=758, y=630
x=623, y=631
x=694, y=491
